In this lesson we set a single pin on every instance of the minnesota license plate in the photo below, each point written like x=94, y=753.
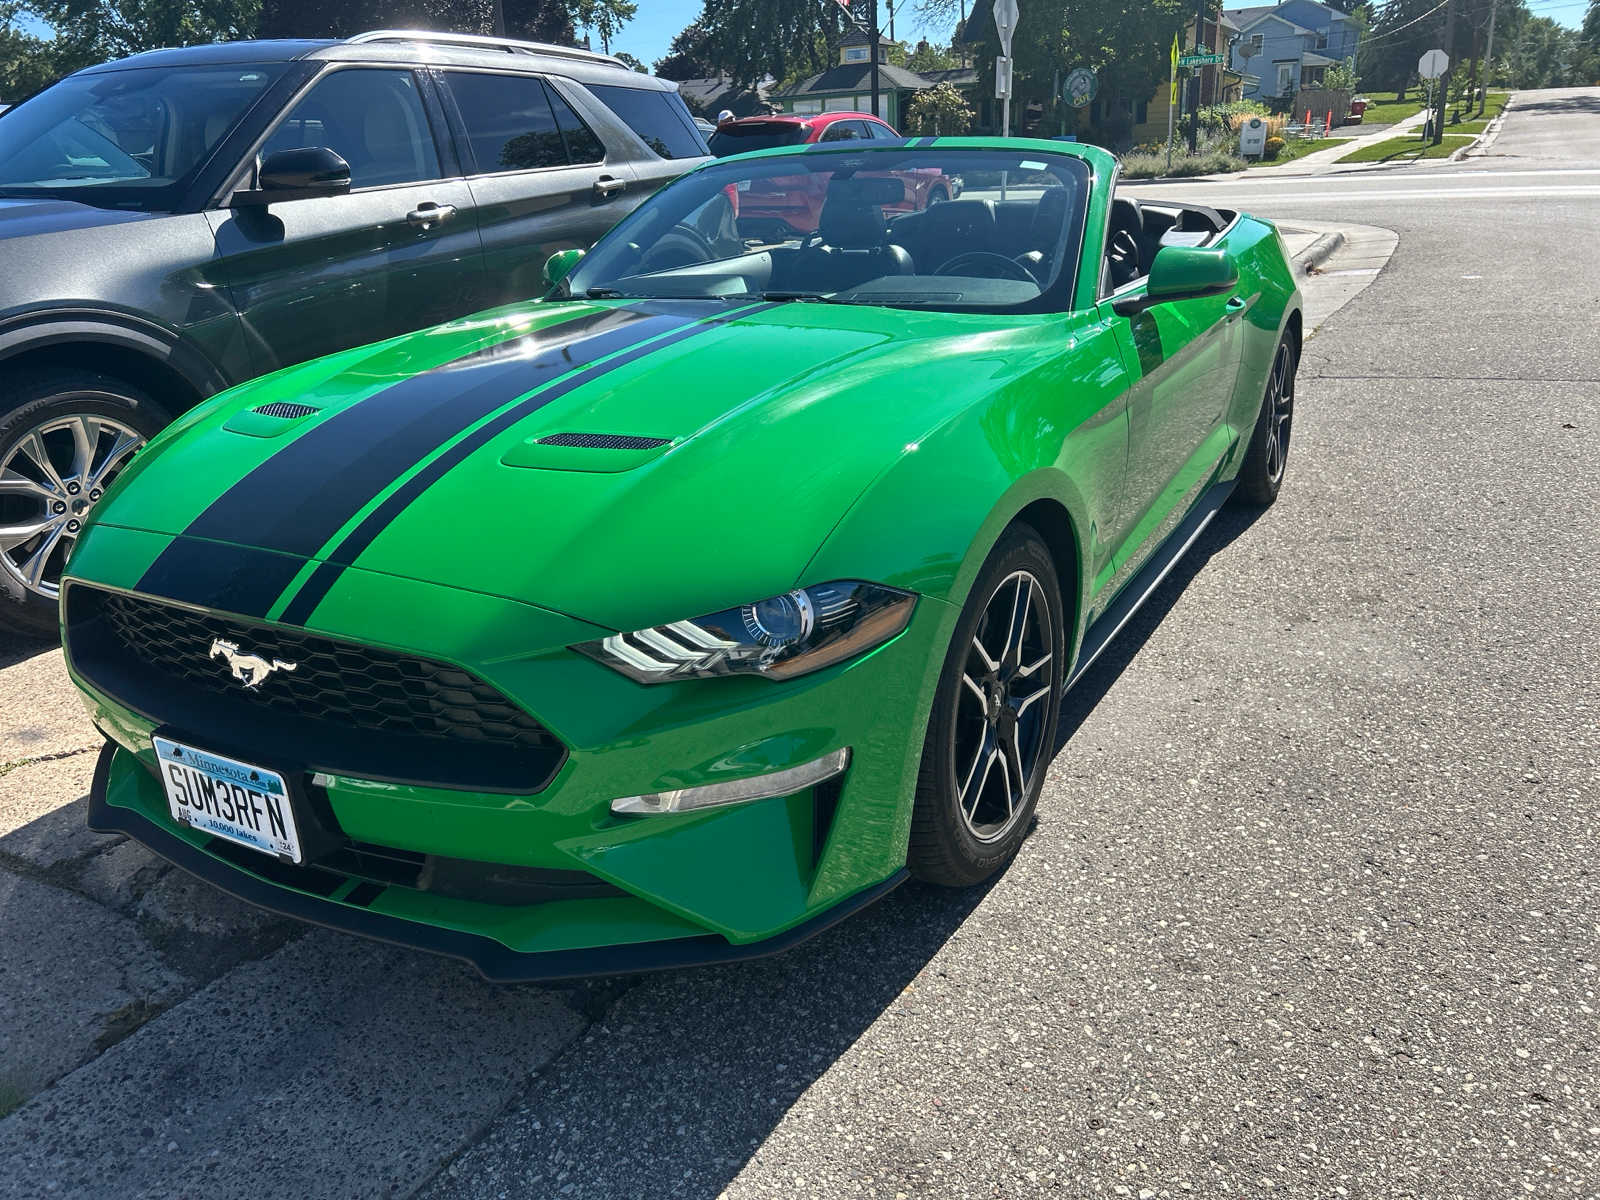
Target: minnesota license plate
x=229, y=798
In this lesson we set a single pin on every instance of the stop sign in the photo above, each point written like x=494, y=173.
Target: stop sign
x=1433, y=64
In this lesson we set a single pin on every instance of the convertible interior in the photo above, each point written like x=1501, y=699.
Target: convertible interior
x=1138, y=230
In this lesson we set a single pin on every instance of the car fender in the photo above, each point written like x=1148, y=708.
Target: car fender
x=70, y=324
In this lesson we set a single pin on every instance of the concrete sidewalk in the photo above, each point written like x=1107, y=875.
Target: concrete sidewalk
x=1322, y=161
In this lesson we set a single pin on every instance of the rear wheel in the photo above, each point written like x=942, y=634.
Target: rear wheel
x=1268, y=455
x=937, y=196
x=63, y=442
x=993, y=726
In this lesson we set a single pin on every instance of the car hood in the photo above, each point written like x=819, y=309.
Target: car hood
x=623, y=463
x=24, y=218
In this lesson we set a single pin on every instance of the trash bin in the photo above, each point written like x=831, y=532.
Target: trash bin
x=1358, y=107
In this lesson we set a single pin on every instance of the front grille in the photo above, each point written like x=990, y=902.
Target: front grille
x=285, y=408
x=603, y=441
x=345, y=708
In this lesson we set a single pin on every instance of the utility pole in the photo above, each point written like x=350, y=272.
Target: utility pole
x=1194, y=80
x=499, y=18
x=891, y=20
x=1488, y=59
x=1444, y=80
x=872, y=53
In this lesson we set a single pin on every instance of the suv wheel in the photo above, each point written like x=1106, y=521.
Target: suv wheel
x=64, y=440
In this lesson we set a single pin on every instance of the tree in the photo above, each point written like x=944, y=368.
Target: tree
x=534, y=20
x=927, y=57
x=632, y=63
x=90, y=31
x=27, y=62
x=939, y=110
x=749, y=39
x=604, y=17
x=689, y=55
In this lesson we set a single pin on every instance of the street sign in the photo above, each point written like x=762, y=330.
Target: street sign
x=1002, y=79
x=1005, y=23
x=1199, y=60
x=1080, y=86
x=1433, y=64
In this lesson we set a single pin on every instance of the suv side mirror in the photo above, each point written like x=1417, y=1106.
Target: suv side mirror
x=1182, y=273
x=299, y=174
x=559, y=265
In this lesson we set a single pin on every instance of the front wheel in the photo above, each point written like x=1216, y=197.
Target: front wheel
x=992, y=731
x=937, y=196
x=1268, y=454
x=65, y=439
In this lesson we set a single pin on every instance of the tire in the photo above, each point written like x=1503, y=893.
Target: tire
x=87, y=426
x=937, y=196
x=1267, y=457
x=967, y=821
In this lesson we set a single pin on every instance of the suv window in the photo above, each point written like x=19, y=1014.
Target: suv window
x=582, y=144
x=510, y=125
x=125, y=139
x=371, y=117
x=659, y=118
x=842, y=131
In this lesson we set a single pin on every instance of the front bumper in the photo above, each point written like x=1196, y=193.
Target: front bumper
x=354, y=910
x=675, y=889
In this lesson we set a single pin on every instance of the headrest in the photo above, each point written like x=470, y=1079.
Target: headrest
x=849, y=220
x=1049, y=215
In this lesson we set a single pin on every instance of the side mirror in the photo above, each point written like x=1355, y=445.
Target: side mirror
x=1182, y=273
x=559, y=265
x=299, y=174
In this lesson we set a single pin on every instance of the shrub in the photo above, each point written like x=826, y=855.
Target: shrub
x=1273, y=148
x=1219, y=117
x=940, y=109
x=1209, y=162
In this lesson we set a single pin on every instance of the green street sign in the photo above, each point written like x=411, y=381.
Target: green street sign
x=1200, y=60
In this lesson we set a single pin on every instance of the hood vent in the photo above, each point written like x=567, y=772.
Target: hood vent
x=286, y=409
x=603, y=441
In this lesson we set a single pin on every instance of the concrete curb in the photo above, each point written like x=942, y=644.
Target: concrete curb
x=1479, y=146
x=1318, y=252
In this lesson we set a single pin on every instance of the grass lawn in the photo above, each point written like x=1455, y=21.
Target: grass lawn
x=1296, y=148
x=1407, y=149
x=1389, y=112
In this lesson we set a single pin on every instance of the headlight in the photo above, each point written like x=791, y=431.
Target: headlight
x=781, y=637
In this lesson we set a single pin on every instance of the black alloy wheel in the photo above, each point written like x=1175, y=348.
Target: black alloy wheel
x=992, y=731
x=1268, y=455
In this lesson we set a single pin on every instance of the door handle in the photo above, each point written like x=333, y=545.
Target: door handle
x=606, y=187
x=429, y=213
x=1236, y=304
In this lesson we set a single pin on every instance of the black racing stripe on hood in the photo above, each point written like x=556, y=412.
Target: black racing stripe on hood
x=300, y=497
x=363, y=535
x=220, y=575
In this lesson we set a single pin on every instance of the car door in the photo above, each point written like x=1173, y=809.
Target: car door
x=1184, y=357
x=540, y=177
x=399, y=252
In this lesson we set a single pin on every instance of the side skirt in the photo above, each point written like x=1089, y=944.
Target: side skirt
x=1138, y=589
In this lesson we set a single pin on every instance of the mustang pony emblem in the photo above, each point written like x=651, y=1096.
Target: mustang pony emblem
x=248, y=669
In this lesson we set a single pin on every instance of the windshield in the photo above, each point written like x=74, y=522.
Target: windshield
x=124, y=139
x=736, y=139
x=859, y=227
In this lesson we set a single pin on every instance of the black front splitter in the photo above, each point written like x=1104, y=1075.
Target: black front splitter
x=494, y=960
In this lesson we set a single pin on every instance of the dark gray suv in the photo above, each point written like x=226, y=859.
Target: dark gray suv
x=182, y=220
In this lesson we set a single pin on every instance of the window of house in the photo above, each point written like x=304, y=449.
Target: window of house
x=1257, y=40
x=1285, y=74
x=855, y=54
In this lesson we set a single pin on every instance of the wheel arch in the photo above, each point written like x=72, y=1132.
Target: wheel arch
x=175, y=375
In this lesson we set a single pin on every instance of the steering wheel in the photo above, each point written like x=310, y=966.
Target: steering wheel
x=1123, y=252
x=680, y=246
x=986, y=263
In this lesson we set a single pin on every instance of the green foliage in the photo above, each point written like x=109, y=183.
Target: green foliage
x=1218, y=117
x=1342, y=77
x=89, y=31
x=27, y=63
x=1272, y=148
x=689, y=56
x=788, y=39
x=927, y=57
x=939, y=110
x=1154, y=166
x=1407, y=149
x=602, y=18
x=633, y=63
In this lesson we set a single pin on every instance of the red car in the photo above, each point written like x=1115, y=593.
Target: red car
x=798, y=207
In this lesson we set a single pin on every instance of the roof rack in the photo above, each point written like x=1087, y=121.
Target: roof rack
x=474, y=41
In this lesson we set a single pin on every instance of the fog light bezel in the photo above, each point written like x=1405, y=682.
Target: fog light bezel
x=736, y=791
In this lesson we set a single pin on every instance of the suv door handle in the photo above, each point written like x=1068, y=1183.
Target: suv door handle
x=606, y=187
x=1236, y=304
x=428, y=213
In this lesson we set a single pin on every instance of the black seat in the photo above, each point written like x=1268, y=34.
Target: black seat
x=1124, y=239
x=851, y=245
x=1044, y=233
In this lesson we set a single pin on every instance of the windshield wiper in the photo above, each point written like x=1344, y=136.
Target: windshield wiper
x=801, y=297
x=605, y=293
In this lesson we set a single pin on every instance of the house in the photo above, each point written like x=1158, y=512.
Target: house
x=1218, y=85
x=847, y=87
x=1290, y=46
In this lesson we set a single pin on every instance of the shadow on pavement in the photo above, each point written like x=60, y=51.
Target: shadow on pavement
x=16, y=647
x=1583, y=102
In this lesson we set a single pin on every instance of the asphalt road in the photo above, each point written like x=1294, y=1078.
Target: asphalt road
x=1308, y=910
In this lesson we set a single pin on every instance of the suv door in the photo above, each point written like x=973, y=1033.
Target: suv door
x=659, y=118
x=398, y=253
x=538, y=175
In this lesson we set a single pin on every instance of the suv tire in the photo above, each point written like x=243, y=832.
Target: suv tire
x=87, y=426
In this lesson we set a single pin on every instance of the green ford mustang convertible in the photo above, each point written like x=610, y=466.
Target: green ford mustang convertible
x=670, y=618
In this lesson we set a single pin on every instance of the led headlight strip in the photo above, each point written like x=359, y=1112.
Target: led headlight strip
x=780, y=637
